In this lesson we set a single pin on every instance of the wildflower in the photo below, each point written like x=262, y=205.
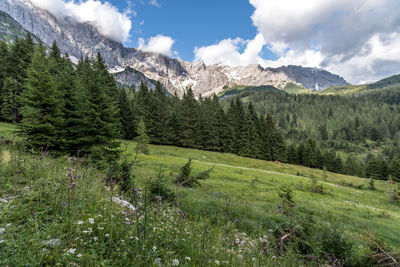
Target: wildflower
x=128, y=223
x=107, y=235
x=124, y=213
x=80, y=222
x=51, y=242
x=187, y=258
x=100, y=228
x=154, y=248
x=64, y=203
x=91, y=220
x=95, y=238
x=79, y=255
x=175, y=262
x=2, y=230
x=71, y=251
x=157, y=262
x=216, y=262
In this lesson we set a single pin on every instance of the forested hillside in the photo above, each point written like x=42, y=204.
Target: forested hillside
x=68, y=108
x=365, y=128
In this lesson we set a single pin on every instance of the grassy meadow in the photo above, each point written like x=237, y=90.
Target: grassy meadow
x=63, y=211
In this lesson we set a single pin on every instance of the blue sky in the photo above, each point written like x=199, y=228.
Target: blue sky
x=191, y=23
x=357, y=39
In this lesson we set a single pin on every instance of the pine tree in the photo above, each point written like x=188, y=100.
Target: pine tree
x=17, y=63
x=127, y=116
x=3, y=66
x=102, y=114
x=188, y=118
x=9, y=106
x=395, y=169
x=160, y=115
x=42, y=105
x=142, y=139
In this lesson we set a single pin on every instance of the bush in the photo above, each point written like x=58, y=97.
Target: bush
x=185, y=179
x=158, y=188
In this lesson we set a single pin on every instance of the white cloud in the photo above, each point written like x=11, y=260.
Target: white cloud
x=154, y=3
x=105, y=17
x=357, y=39
x=158, y=44
x=227, y=52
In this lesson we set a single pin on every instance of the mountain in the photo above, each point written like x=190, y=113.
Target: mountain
x=132, y=66
x=9, y=28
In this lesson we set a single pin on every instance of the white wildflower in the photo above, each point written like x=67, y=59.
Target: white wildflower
x=216, y=262
x=79, y=255
x=91, y=220
x=95, y=238
x=79, y=222
x=175, y=262
x=157, y=262
x=2, y=230
x=51, y=242
x=71, y=251
x=187, y=258
x=154, y=248
x=107, y=235
x=1, y=241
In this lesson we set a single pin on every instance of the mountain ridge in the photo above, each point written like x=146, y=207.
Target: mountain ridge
x=82, y=39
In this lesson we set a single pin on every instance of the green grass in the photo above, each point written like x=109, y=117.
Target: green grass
x=229, y=91
x=226, y=220
x=344, y=90
x=292, y=88
x=358, y=210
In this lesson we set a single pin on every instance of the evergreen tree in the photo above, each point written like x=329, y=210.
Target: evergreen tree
x=42, y=105
x=127, y=116
x=395, y=169
x=188, y=118
x=142, y=139
x=9, y=106
x=160, y=115
x=96, y=116
x=3, y=66
x=17, y=64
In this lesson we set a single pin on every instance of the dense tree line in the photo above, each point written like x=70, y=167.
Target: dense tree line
x=365, y=128
x=57, y=106
x=67, y=108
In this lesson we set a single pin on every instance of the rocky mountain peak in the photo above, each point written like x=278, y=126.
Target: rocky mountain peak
x=82, y=39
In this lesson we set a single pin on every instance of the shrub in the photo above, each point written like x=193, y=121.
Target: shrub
x=185, y=179
x=158, y=188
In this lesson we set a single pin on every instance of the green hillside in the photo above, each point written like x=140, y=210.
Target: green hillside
x=230, y=91
x=61, y=211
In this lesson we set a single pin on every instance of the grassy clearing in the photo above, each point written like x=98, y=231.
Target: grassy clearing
x=244, y=182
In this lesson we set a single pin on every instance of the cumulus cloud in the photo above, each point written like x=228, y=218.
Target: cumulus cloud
x=227, y=52
x=357, y=39
x=105, y=17
x=158, y=44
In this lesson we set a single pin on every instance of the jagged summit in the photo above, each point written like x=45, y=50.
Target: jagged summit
x=81, y=39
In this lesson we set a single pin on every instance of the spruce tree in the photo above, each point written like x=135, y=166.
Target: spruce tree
x=101, y=117
x=9, y=106
x=42, y=105
x=142, y=139
x=159, y=115
x=127, y=115
x=188, y=118
x=3, y=66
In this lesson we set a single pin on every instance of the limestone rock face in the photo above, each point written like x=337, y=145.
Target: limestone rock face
x=132, y=66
